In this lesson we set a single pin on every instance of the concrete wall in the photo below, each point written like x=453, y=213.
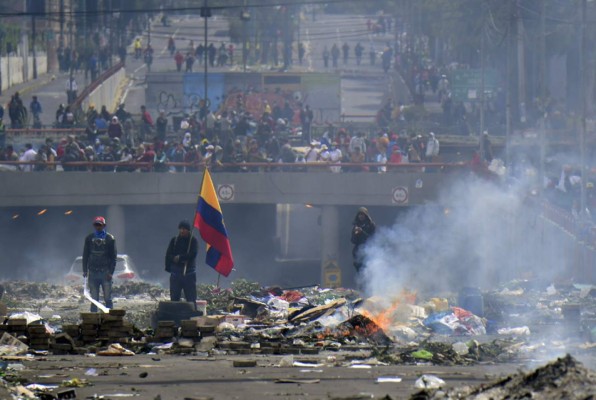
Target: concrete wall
x=181, y=92
x=319, y=188
x=106, y=93
x=13, y=69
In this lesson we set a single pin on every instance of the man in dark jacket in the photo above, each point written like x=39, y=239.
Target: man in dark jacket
x=363, y=228
x=99, y=262
x=180, y=263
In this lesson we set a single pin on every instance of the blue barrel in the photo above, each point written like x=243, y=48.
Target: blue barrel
x=471, y=299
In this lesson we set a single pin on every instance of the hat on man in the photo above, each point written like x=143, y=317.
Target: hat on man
x=99, y=221
x=184, y=225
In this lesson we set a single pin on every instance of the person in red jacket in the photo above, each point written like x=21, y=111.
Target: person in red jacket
x=179, y=58
x=396, y=156
x=146, y=123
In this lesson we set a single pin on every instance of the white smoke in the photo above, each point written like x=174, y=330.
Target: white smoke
x=477, y=234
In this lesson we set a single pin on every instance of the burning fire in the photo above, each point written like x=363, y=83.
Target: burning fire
x=385, y=317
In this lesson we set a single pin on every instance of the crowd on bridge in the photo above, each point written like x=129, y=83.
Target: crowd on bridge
x=230, y=140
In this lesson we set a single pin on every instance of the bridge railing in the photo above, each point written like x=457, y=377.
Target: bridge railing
x=101, y=166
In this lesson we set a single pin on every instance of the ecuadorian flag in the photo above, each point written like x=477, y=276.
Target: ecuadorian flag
x=209, y=222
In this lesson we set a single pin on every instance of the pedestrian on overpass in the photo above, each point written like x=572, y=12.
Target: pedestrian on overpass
x=71, y=89
x=335, y=54
x=35, y=109
x=179, y=59
x=346, y=50
x=326, y=57
x=146, y=123
x=172, y=45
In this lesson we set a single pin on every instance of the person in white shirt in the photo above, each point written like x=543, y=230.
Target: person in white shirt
x=71, y=89
x=358, y=141
x=381, y=158
x=312, y=155
x=28, y=156
x=432, y=148
x=324, y=155
x=335, y=156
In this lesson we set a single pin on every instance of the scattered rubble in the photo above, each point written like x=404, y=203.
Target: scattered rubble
x=249, y=320
x=564, y=378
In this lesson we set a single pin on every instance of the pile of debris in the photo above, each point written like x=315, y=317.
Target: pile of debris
x=249, y=319
x=564, y=378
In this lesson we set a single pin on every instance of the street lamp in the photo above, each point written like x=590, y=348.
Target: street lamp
x=205, y=13
x=2, y=34
x=244, y=17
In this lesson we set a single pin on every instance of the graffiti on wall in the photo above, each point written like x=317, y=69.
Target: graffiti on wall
x=255, y=102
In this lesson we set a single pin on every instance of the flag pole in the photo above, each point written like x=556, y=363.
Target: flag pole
x=188, y=249
x=218, y=276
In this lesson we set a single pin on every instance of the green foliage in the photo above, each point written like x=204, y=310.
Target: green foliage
x=219, y=299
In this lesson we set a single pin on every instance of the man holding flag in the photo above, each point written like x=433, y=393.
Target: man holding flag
x=180, y=263
x=183, y=248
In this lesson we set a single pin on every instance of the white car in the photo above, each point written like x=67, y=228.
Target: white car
x=125, y=271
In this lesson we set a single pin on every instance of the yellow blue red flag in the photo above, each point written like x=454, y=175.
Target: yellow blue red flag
x=209, y=222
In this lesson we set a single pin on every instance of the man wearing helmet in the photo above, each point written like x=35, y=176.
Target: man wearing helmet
x=99, y=262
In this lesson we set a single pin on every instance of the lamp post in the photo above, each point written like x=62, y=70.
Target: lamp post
x=244, y=17
x=205, y=13
x=583, y=81
x=1, y=47
x=33, y=38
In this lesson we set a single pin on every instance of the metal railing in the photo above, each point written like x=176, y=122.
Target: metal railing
x=98, y=166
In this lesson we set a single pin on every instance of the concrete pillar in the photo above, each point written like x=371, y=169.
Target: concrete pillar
x=330, y=271
x=116, y=226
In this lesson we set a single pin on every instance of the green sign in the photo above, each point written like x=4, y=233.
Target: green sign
x=466, y=84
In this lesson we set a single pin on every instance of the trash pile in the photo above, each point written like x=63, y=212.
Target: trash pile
x=564, y=378
x=542, y=309
x=494, y=326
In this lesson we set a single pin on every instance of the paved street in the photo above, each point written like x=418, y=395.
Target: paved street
x=202, y=377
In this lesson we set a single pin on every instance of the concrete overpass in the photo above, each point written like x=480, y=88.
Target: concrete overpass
x=321, y=188
x=324, y=189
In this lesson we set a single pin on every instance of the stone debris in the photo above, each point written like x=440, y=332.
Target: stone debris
x=564, y=378
x=248, y=319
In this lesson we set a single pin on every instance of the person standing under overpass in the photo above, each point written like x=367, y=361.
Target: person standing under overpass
x=363, y=228
x=180, y=263
x=99, y=262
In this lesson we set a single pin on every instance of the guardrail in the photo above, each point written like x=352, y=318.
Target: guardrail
x=36, y=131
x=583, y=230
x=99, y=166
x=93, y=85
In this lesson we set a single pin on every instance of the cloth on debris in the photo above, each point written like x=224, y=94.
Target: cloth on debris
x=456, y=322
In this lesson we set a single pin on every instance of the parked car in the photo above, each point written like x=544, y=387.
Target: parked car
x=125, y=270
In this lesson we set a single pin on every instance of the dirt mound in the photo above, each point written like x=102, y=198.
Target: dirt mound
x=564, y=378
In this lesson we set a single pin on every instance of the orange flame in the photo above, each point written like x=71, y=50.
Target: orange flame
x=383, y=319
x=387, y=317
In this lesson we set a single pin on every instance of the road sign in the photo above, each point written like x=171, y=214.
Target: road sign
x=466, y=84
x=225, y=192
x=399, y=195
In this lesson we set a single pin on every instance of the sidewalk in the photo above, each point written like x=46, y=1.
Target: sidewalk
x=50, y=91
